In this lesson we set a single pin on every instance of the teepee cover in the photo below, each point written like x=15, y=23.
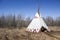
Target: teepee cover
x=36, y=24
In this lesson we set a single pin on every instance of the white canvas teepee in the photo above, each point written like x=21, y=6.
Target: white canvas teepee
x=36, y=24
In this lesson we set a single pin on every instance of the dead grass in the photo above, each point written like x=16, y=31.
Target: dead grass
x=20, y=34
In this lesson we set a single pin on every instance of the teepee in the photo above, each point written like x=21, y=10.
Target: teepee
x=37, y=23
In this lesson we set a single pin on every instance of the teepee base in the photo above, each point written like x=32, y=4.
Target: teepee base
x=37, y=31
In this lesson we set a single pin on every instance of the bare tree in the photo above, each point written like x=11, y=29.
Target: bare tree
x=14, y=21
x=19, y=21
x=57, y=21
x=27, y=21
x=9, y=21
x=2, y=20
x=49, y=21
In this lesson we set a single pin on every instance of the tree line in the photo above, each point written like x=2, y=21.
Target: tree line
x=11, y=21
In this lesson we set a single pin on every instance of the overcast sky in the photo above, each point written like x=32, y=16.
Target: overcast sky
x=28, y=8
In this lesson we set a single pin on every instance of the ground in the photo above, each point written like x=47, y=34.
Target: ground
x=20, y=34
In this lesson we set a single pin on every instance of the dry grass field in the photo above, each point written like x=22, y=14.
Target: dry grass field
x=20, y=34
